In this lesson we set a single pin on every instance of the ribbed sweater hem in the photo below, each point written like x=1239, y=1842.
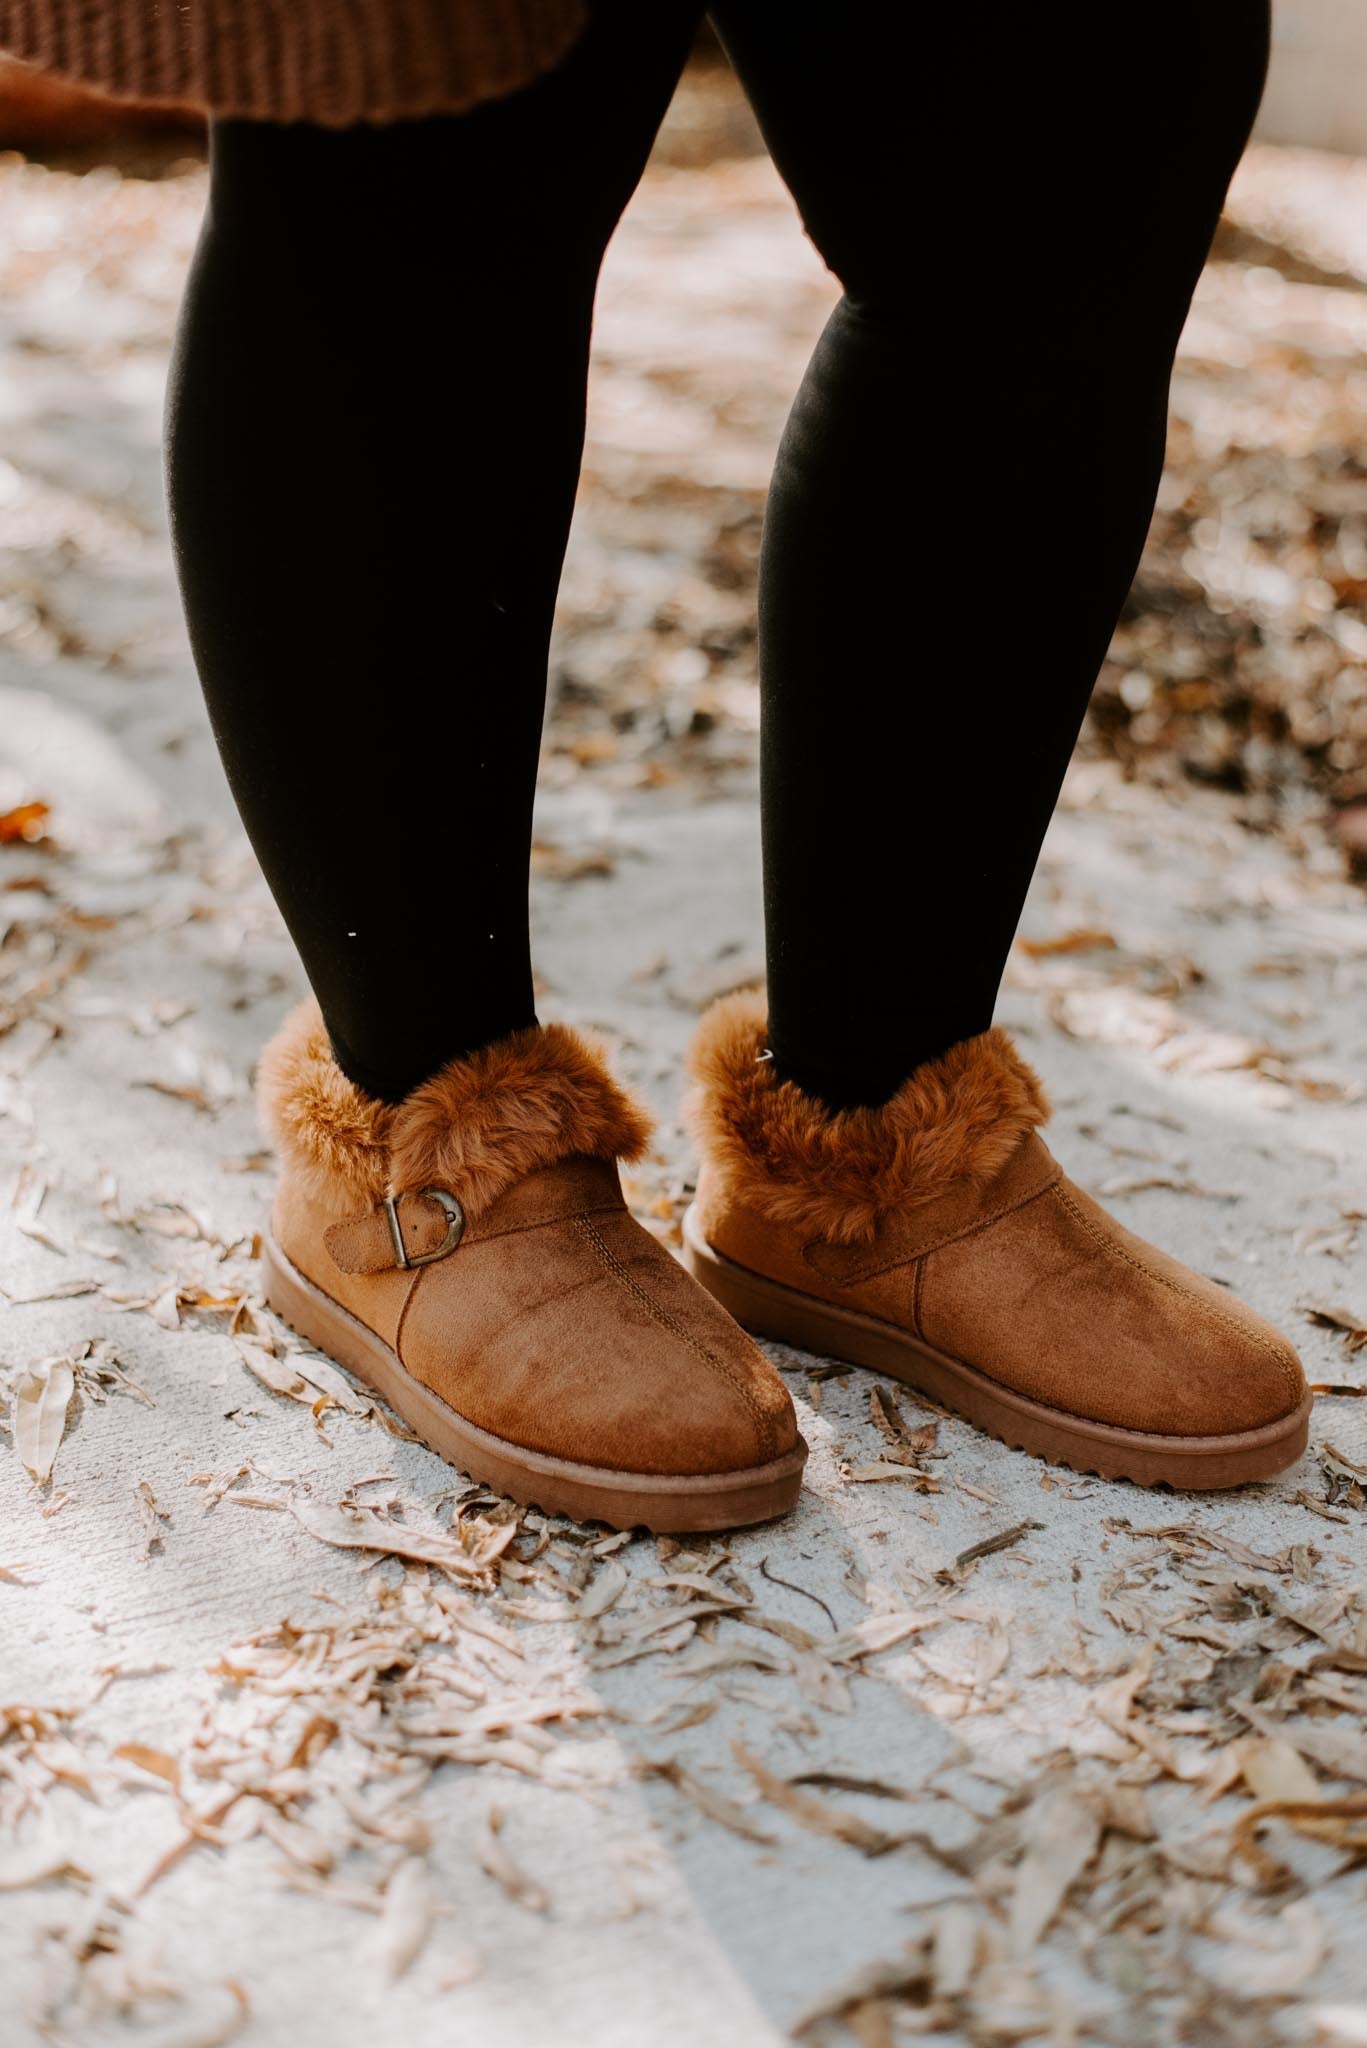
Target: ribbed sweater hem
x=333, y=62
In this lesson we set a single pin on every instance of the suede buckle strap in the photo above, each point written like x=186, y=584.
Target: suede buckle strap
x=913, y=1233
x=420, y=1226
x=393, y=1238
x=455, y=1227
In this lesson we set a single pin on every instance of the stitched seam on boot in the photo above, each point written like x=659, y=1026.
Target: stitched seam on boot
x=408, y=1300
x=1290, y=1380
x=669, y=1322
x=545, y=1222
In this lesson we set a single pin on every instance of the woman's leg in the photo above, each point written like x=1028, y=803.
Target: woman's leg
x=374, y=430
x=1018, y=209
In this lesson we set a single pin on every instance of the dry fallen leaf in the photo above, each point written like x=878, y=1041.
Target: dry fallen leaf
x=1062, y=1834
x=818, y=1816
x=886, y=1415
x=36, y=1862
x=1350, y=1325
x=279, y=1374
x=883, y=1469
x=405, y=1919
x=1254, y=1967
x=41, y=1400
x=955, y=1946
x=715, y=1805
x=1340, y=1750
x=351, y=1532
x=151, y=1514
x=24, y=822
x=323, y=1375
x=897, y=1977
x=496, y=1861
x=604, y=1590
x=155, y=1761
x=1329, y=1820
x=227, y=2014
x=1083, y=939
x=1005, y=1540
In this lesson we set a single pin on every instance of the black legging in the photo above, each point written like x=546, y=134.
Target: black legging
x=375, y=424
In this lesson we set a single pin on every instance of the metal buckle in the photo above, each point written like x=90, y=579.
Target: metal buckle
x=455, y=1226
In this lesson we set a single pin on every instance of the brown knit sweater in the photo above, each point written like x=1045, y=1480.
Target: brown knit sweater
x=329, y=61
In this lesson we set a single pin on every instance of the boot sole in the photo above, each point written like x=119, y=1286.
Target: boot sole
x=666, y=1503
x=767, y=1308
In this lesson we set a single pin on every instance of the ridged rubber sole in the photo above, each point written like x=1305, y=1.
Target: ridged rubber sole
x=668, y=1504
x=766, y=1308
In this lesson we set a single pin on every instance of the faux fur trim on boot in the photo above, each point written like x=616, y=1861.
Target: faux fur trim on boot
x=537, y=1096
x=476, y=1127
x=784, y=1155
x=326, y=1127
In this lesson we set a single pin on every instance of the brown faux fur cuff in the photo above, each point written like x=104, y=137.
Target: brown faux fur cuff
x=476, y=1127
x=781, y=1153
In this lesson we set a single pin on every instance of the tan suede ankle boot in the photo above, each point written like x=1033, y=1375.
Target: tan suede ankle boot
x=936, y=1239
x=467, y=1253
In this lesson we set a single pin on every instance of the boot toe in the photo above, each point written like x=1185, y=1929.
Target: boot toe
x=1064, y=1305
x=1245, y=1375
x=688, y=1392
x=601, y=1351
x=737, y=1413
x=1227, y=1370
